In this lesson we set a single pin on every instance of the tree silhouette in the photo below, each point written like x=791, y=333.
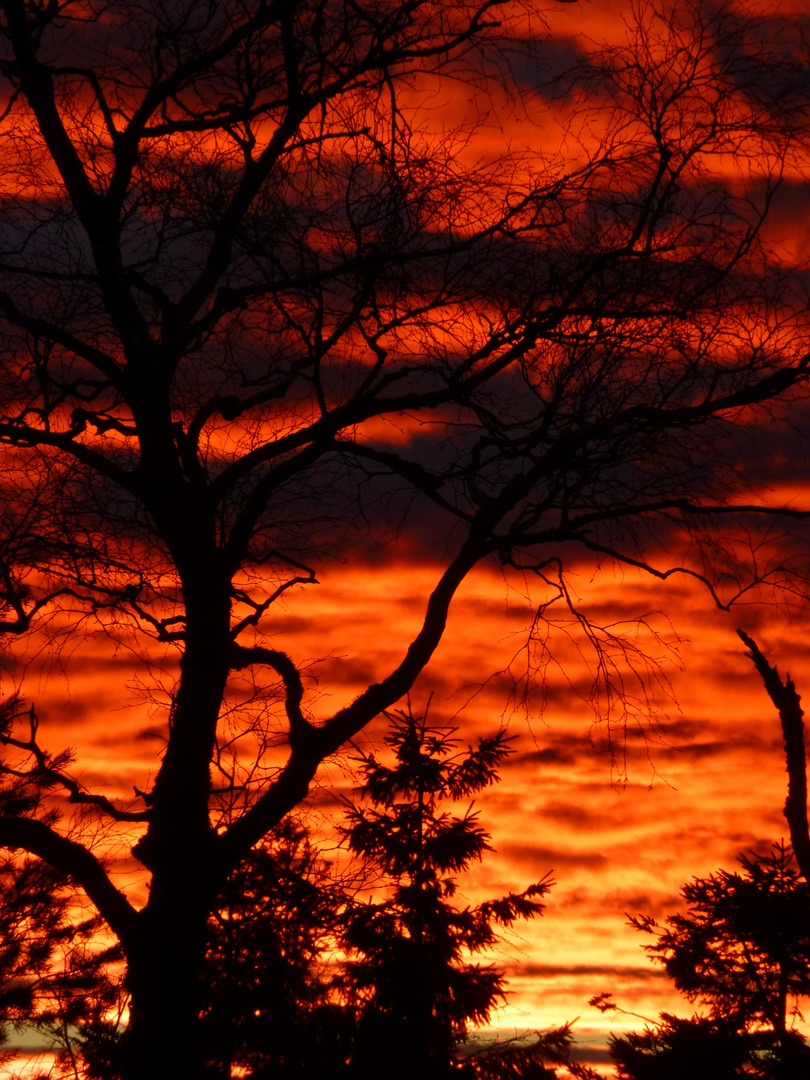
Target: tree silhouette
x=278, y=1000
x=410, y=963
x=742, y=950
x=52, y=982
x=705, y=1049
x=788, y=704
x=257, y=301
x=271, y=1007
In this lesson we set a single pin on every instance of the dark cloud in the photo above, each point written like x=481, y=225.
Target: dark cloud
x=719, y=748
x=550, y=67
x=612, y=971
x=742, y=843
x=355, y=671
x=565, y=748
x=552, y=755
x=588, y=1054
x=575, y=814
x=553, y=858
x=657, y=907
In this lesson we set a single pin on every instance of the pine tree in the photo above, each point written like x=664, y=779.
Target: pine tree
x=269, y=1004
x=410, y=961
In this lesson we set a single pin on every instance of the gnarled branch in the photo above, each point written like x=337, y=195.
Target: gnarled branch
x=73, y=859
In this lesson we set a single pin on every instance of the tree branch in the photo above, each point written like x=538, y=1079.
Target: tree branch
x=47, y=772
x=44, y=328
x=242, y=657
x=663, y=575
x=307, y=754
x=73, y=859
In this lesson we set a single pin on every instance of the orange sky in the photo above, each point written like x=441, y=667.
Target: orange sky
x=621, y=832
x=707, y=783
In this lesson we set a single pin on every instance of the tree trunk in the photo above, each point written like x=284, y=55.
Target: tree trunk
x=163, y=1040
x=788, y=704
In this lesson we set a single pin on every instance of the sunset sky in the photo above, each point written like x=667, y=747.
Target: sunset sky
x=624, y=798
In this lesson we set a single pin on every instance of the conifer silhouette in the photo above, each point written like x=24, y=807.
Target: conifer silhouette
x=411, y=965
x=742, y=952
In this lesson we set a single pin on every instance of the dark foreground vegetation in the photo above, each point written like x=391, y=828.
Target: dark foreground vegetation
x=741, y=951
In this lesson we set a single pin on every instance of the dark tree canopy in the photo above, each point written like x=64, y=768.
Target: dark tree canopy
x=705, y=1049
x=743, y=946
x=272, y=1005
x=742, y=952
x=241, y=248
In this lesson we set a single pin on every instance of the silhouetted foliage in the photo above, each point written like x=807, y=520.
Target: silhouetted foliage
x=742, y=951
x=409, y=963
x=270, y=1002
x=743, y=947
x=701, y=1048
x=532, y=1056
x=278, y=1000
x=57, y=976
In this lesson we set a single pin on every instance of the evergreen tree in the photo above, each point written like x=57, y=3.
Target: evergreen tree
x=270, y=1008
x=672, y=1048
x=278, y=1002
x=742, y=951
x=410, y=966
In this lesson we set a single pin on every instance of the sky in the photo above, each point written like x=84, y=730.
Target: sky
x=621, y=807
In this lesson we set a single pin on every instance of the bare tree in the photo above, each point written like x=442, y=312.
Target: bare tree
x=234, y=235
